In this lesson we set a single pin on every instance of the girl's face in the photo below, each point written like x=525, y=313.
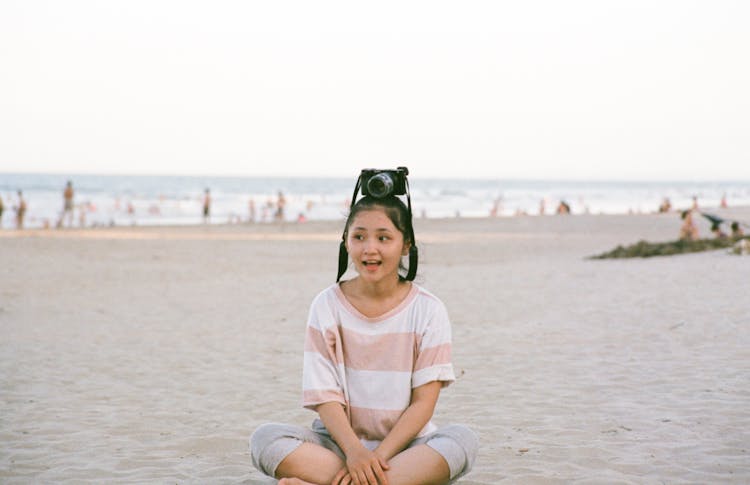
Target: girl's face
x=375, y=246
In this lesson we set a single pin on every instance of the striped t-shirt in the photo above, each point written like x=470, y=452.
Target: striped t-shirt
x=371, y=365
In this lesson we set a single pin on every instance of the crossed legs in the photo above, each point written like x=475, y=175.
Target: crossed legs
x=300, y=456
x=420, y=464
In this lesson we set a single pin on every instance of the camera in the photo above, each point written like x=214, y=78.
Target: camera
x=382, y=183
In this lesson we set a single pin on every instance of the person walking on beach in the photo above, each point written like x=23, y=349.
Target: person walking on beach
x=206, y=205
x=2, y=208
x=280, y=205
x=67, y=204
x=377, y=355
x=20, y=210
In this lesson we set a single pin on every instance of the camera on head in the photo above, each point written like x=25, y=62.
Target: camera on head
x=382, y=183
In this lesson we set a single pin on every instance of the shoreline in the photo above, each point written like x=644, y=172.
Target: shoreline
x=271, y=225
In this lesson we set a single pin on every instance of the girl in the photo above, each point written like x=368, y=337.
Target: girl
x=377, y=354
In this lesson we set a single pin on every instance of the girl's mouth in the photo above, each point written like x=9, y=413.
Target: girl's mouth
x=371, y=265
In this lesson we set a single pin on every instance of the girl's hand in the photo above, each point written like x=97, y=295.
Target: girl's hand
x=363, y=467
x=342, y=478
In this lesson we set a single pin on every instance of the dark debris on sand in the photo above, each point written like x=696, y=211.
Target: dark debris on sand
x=645, y=249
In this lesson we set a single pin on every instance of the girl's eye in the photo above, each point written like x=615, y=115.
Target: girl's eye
x=359, y=237
x=384, y=238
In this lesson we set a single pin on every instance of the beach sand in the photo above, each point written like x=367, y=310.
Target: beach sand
x=150, y=354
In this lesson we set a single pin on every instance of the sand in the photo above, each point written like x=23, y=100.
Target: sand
x=148, y=355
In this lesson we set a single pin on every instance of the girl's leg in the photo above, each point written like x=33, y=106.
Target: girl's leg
x=310, y=463
x=280, y=450
x=418, y=464
x=440, y=457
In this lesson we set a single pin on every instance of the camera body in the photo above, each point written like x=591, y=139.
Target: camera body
x=382, y=183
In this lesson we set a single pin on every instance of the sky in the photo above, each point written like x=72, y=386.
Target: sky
x=616, y=90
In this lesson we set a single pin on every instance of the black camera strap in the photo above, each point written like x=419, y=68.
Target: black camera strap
x=343, y=260
x=413, y=251
x=343, y=253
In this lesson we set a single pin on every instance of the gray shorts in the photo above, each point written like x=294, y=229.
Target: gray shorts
x=272, y=442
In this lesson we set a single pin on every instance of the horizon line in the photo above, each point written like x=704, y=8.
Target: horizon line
x=342, y=177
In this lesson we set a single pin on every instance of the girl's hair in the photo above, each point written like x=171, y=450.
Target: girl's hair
x=393, y=208
x=396, y=211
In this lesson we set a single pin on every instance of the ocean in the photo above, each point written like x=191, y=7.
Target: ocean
x=117, y=200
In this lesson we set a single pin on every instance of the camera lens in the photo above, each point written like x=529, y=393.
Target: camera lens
x=380, y=185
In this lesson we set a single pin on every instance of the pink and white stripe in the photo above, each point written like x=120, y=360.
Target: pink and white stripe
x=371, y=365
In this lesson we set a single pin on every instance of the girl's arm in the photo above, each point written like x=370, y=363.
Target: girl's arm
x=334, y=418
x=411, y=422
x=360, y=461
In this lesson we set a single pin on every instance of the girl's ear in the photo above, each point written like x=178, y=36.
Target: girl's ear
x=405, y=250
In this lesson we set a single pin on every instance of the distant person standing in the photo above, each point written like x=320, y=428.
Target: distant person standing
x=280, y=205
x=20, y=210
x=251, y=210
x=206, y=205
x=82, y=210
x=2, y=208
x=688, y=231
x=497, y=207
x=67, y=204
